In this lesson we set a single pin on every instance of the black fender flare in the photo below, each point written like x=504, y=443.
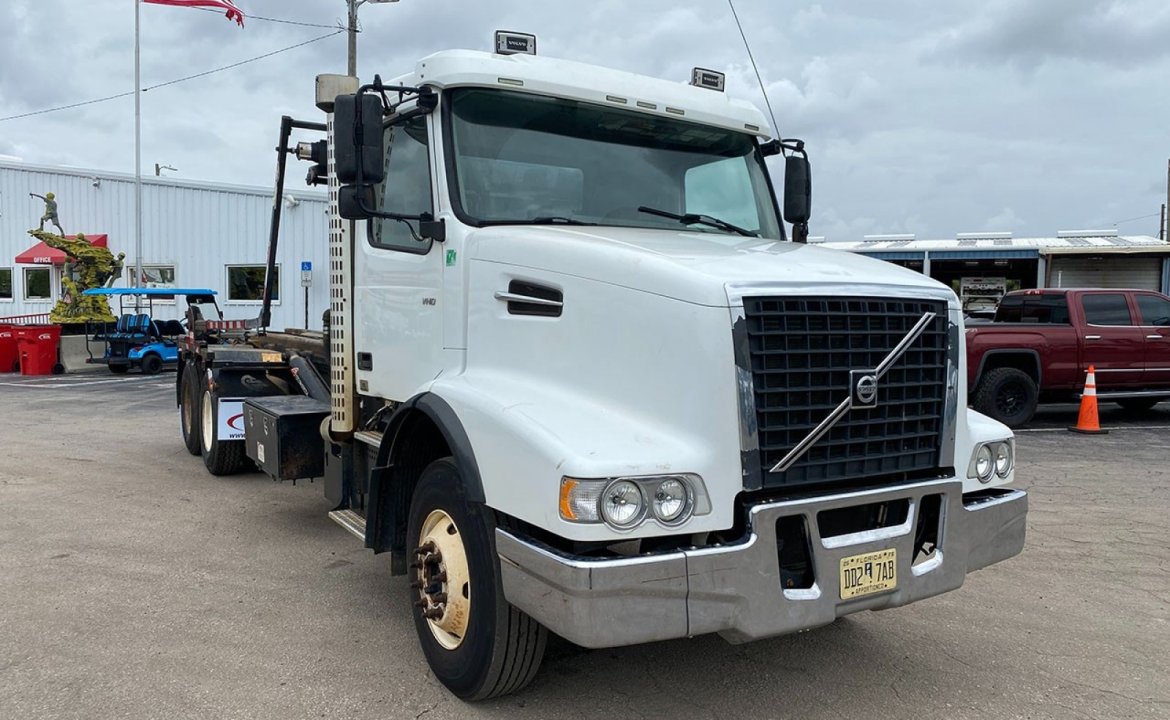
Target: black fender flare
x=1033, y=354
x=447, y=421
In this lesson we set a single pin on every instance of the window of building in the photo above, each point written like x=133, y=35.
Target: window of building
x=246, y=283
x=1155, y=310
x=1106, y=309
x=38, y=283
x=154, y=276
x=5, y=283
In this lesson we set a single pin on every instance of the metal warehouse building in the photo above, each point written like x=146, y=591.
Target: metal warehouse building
x=194, y=234
x=1074, y=258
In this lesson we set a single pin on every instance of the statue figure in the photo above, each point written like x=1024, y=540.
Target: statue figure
x=93, y=267
x=50, y=211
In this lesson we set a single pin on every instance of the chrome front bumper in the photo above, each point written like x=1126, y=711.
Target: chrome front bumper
x=735, y=590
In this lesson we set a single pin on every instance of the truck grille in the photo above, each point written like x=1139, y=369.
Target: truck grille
x=802, y=350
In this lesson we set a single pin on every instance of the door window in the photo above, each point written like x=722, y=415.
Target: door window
x=1106, y=309
x=1154, y=310
x=407, y=189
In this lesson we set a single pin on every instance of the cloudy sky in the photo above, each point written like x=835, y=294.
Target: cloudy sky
x=921, y=116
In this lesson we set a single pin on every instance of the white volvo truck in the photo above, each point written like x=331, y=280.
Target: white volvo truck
x=577, y=379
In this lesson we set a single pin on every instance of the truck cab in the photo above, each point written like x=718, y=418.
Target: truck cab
x=581, y=381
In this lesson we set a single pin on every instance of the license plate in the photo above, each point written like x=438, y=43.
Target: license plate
x=870, y=573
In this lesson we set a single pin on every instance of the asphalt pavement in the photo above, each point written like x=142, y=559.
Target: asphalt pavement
x=135, y=585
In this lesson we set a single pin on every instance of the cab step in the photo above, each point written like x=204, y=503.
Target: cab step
x=354, y=523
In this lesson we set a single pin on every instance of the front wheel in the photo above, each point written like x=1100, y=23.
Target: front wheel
x=222, y=457
x=1008, y=395
x=151, y=364
x=476, y=644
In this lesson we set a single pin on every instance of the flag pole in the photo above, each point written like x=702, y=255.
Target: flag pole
x=137, y=151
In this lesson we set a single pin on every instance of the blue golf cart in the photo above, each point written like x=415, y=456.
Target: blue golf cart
x=137, y=339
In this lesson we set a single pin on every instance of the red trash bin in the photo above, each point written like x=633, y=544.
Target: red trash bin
x=9, y=356
x=37, y=345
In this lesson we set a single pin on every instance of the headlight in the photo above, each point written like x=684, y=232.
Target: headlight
x=622, y=504
x=672, y=501
x=1003, y=458
x=984, y=463
x=626, y=502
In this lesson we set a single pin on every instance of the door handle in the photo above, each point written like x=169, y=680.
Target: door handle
x=1092, y=337
x=516, y=297
x=1153, y=337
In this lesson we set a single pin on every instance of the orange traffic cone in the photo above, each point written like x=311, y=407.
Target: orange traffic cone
x=1087, y=423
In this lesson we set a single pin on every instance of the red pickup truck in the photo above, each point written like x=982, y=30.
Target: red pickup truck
x=1042, y=341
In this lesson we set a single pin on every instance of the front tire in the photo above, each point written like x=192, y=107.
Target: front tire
x=476, y=644
x=189, y=415
x=222, y=457
x=151, y=364
x=1008, y=395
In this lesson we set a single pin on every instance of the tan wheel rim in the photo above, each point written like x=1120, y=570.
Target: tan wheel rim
x=208, y=424
x=442, y=579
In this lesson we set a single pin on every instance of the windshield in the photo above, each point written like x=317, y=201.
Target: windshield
x=532, y=159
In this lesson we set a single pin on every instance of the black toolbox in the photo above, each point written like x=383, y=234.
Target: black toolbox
x=282, y=433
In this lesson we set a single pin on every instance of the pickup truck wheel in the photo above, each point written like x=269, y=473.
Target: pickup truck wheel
x=222, y=457
x=476, y=644
x=1136, y=405
x=189, y=415
x=1008, y=395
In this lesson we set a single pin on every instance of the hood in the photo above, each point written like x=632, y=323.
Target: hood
x=685, y=265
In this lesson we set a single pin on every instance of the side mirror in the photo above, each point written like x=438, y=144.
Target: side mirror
x=352, y=198
x=797, y=189
x=357, y=139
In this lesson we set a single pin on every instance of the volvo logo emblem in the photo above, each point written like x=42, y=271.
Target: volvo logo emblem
x=865, y=387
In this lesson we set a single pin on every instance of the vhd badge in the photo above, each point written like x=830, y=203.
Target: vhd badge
x=865, y=388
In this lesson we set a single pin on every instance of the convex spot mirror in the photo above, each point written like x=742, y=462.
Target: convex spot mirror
x=797, y=189
x=357, y=139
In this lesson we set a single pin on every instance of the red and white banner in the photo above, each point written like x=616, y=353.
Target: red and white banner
x=233, y=12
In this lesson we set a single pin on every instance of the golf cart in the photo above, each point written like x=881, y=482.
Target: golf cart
x=138, y=340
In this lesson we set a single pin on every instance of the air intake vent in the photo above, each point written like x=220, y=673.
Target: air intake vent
x=528, y=298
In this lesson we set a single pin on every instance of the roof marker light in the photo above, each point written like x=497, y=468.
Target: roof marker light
x=510, y=81
x=514, y=43
x=616, y=99
x=708, y=79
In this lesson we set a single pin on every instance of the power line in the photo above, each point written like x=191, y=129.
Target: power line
x=1143, y=217
x=171, y=82
x=266, y=19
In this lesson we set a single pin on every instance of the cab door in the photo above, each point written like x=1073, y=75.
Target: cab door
x=1154, y=311
x=1111, y=341
x=398, y=275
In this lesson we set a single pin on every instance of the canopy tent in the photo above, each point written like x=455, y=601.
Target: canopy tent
x=42, y=254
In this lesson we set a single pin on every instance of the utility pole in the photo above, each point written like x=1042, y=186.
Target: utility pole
x=351, y=66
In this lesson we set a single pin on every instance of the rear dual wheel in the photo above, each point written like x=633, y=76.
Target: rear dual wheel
x=476, y=644
x=222, y=457
x=189, y=415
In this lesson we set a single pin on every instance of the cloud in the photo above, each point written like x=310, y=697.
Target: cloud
x=924, y=117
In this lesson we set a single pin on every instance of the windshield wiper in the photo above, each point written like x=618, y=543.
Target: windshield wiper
x=694, y=219
x=556, y=220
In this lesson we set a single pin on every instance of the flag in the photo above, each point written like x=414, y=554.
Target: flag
x=233, y=12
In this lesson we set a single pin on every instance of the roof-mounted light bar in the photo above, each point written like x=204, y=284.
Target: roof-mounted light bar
x=514, y=43
x=709, y=79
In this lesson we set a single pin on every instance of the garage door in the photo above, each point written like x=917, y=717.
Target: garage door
x=1107, y=272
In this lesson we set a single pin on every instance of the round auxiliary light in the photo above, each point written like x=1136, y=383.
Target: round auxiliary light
x=622, y=504
x=671, y=500
x=1003, y=459
x=984, y=463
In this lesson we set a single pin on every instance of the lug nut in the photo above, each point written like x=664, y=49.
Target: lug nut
x=433, y=614
x=420, y=604
x=439, y=598
x=440, y=577
x=427, y=547
x=416, y=585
